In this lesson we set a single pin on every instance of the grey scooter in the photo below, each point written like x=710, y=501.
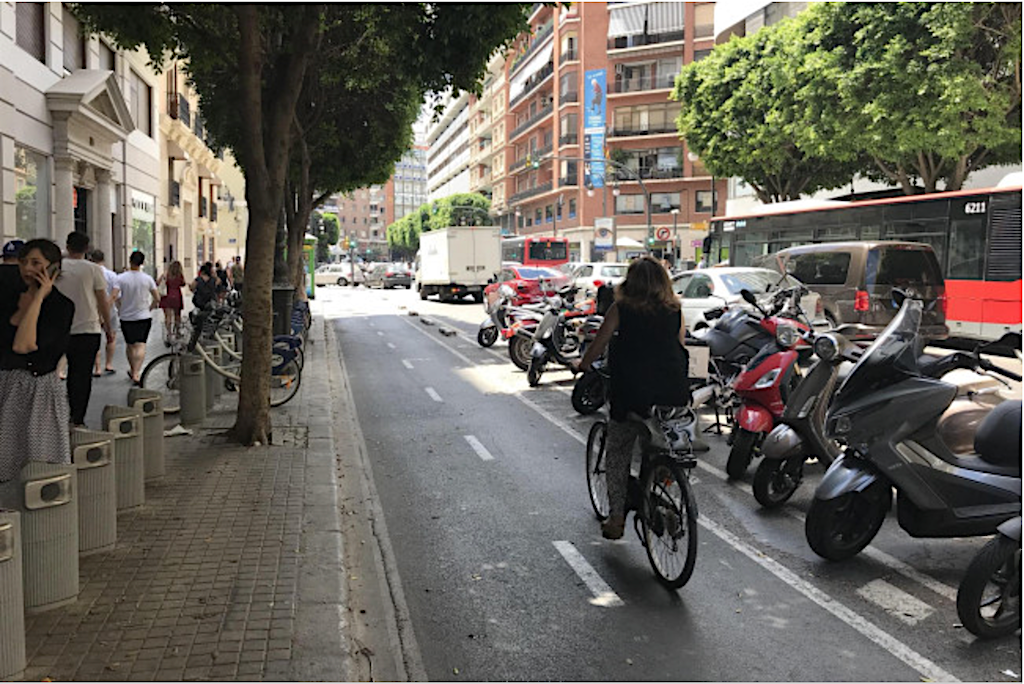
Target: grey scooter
x=886, y=414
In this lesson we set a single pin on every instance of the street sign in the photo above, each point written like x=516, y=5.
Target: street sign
x=662, y=233
x=696, y=243
x=699, y=225
x=603, y=233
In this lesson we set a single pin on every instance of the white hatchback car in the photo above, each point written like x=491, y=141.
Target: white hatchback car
x=339, y=274
x=589, y=276
x=703, y=289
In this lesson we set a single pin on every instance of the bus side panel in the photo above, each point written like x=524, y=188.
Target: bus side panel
x=983, y=309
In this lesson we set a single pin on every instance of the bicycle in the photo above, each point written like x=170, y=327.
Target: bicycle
x=660, y=495
x=164, y=372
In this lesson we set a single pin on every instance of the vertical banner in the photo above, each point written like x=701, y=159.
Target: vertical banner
x=594, y=123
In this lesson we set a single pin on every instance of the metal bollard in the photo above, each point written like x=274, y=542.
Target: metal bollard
x=12, y=598
x=150, y=402
x=193, y=389
x=49, y=536
x=92, y=452
x=214, y=381
x=129, y=462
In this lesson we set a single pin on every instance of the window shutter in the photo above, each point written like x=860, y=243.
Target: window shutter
x=31, y=28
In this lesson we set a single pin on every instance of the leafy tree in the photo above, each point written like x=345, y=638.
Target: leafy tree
x=470, y=209
x=928, y=91
x=332, y=228
x=249, y=65
x=741, y=113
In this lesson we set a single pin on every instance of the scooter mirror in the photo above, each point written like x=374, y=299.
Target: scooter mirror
x=748, y=296
x=898, y=297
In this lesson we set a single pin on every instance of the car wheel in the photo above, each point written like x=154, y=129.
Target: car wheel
x=342, y=282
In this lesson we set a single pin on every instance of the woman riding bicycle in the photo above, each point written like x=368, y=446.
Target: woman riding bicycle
x=648, y=366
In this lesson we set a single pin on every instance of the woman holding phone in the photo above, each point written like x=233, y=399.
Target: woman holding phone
x=35, y=328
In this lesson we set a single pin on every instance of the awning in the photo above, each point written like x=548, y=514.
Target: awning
x=665, y=17
x=537, y=62
x=628, y=242
x=628, y=19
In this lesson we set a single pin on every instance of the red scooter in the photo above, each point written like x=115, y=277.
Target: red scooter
x=764, y=384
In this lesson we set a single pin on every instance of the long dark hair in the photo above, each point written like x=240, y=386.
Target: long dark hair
x=647, y=288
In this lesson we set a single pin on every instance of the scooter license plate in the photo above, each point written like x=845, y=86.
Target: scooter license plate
x=538, y=349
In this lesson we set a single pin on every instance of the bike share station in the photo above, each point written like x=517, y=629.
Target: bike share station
x=53, y=514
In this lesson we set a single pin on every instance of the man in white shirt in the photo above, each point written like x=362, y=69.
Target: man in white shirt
x=139, y=297
x=97, y=257
x=83, y=283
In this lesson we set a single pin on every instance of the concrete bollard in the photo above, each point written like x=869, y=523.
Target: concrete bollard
x=92, y=453
x=214, y=381
x=193, y=389
x=129, y=462
x=150, y=402
x=12, y=598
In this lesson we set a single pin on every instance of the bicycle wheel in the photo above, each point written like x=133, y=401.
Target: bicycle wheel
x=284, y=383
x=163, y=374
x=597, y=482
x=669, y=522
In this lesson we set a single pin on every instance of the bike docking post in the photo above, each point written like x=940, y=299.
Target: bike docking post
x=150, y=402
x=214, y=382
x=193, y=389
x=12, y=598
x=92, y=453
x=129, y=462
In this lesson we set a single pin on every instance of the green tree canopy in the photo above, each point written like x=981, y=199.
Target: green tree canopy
x=331, y=228
x=470, y=209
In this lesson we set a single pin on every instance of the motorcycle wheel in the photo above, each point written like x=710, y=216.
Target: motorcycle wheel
x=741, y=454
x=588, y=393
x=486, y=337
x=519, y=350
x=988, y=600
x=840, y=528
x=776, y=480
x=535, y=370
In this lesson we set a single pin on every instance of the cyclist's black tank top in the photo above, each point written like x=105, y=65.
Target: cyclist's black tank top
x=648, y=364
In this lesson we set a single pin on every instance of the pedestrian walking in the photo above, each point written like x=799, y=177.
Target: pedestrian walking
x=222, y=282
x=83, y=283
x=648, y=366
x=138, y=299
x=237, y=273
x=10, y=275
x=204, y=287
x=35, y=328
x=172, y=301
x=113, y=322
x=10, y=253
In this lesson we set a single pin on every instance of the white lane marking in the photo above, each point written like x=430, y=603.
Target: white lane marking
x=479, y=448
x=407, y=363
x=391, y=345
x=895, y=601
x=381, y=333
x=603, y=594
x=432, y=394
x=866, y=628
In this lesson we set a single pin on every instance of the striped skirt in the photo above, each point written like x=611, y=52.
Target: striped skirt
x=34, y=418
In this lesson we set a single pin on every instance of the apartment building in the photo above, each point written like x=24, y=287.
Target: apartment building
x=448, y=141
x=361, y=215
x=79, y=138
x=592, y=82
x=406, y=190
x=483, y=112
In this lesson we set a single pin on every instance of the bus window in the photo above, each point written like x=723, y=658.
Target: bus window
x=966, y=249
x=548, y=251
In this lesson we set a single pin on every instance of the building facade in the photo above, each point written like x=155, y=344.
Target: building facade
x=361, y=215
x=406, y=190
x=448, y=153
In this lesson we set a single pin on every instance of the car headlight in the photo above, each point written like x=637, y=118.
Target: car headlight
x=826, y=347
x=768, y=379
x=786, y=335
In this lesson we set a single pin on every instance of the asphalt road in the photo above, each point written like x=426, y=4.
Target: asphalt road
x=481, y=480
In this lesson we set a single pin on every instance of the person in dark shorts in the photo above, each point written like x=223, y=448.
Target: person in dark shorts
x=139, y=297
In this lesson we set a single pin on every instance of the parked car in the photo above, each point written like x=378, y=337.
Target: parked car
x=338, y=274
x=589, y=276
x=856, y=279
x=703, y=289
x=389, y=275
x=525, y=282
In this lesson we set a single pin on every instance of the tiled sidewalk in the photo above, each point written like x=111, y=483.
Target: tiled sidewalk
x=231, y=570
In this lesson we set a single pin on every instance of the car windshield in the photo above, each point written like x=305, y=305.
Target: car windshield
x=614, y=271
x=892, y=355
x=758, y=282
x=535, y=273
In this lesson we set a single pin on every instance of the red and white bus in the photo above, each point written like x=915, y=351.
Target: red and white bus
x=535, y=250
x=976, y=235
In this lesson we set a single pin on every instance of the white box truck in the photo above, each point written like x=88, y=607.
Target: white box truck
x=458, y=261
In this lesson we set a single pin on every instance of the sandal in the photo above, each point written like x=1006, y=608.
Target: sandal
x=109, y=371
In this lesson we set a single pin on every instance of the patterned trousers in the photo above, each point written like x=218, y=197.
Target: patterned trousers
x=622, y=438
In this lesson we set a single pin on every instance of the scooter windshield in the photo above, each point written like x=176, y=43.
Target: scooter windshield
x=892, y=356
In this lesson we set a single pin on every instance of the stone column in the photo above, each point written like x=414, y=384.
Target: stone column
x=104, y=238
x=63, y=178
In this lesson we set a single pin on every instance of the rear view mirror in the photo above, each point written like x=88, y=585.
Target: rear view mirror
x=748, y=296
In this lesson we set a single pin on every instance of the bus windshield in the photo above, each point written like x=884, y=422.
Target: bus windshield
x=548, y=251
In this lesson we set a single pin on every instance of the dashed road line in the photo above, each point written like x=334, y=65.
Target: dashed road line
x=479, y=448
x=407, y=363
x=603, y=594
x=433, y=394
x=895, y=601
x=391, y=345
x=381, y=333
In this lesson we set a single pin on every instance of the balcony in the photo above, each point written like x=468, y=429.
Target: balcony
x=627, y=131
x=174, y=194
x=571, y=96
x=569, y=181
x=198, y=128
x=517, y=164
x=542, y=33
x=640, y=40
x=541, y=113
x=532, y=83
x=568, y=56
x=648, y=174
x=638, y=85
x=184, y=111
x=532, y=192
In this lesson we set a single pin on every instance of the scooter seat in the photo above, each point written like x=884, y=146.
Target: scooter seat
x=998, y=439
